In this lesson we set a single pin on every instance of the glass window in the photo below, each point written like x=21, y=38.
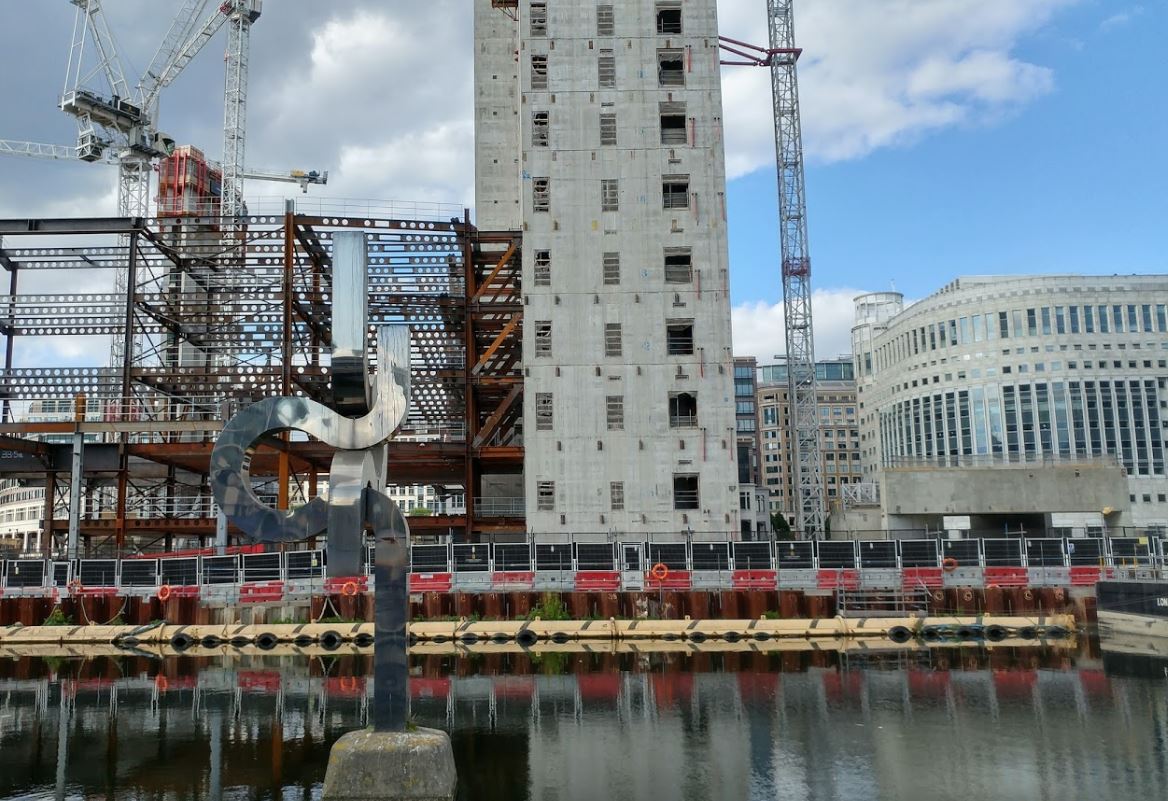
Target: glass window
x=1089, y=319
x=1074, y=319
x=1117, y=319
x=965, y=337
x=1018, y=329
x=1046, y=320
x=1060, y=320
x=1031, y=322
x=1003, y=325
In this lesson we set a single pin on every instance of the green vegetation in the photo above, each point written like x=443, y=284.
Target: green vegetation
x=339, y=620
x=550, y=607
x=420, y=511
x=781, y=527
x=58, y=618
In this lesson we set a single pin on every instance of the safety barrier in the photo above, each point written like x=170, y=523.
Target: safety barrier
x=251, y=576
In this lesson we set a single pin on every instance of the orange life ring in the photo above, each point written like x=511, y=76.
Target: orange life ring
x=161, y=683
x=659, y=571
x=349, y=589
x=74, y=586
x=949, y=564
x=164, y=592
x=349, y=683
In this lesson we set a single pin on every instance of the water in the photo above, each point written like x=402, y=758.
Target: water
x=940, y=724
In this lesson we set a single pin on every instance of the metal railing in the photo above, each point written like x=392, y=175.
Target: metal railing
x=500, y=507
x=479, y=566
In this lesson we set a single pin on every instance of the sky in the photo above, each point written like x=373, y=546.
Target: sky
x=942, y=137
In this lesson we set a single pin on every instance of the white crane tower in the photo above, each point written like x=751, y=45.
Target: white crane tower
x=781, y=56
x=117, y=124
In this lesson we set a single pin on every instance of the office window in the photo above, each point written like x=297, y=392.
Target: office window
x=678, y=266
x=607, y=129
x=685, y=492
x=544, y=414
x=539, y=129
x=616, y=495
x=612, y=271
x=541, y=194
x=668, y=18
x=539, y=72
x=675, y=192
x=543, y=268
x=605, y=20
x=612, y=339
x=610, y=194
x=545, y=496
x=673, y=124
x=538, y=19
x=615, y=412
x=543, y=338
x=679, y=337
x=607, y=69
x=671, y=67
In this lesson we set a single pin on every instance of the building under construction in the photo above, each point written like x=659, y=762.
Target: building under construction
x=220, y=313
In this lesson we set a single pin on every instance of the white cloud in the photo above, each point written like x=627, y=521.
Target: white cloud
x=759, y=330
x=884, y=73
x=1120, y=19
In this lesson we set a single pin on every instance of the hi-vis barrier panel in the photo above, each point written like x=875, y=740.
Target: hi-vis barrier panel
x=180, y=572
x=140, y=573
x=98, y=572
x=836, y=554
x=429, y=559
x=512, y=557
x=1086, y=551
x=558, y=557
x=474, y=558
x=1001, y=553
x=711, y=556
x=1130, y=551
x=672, y=555
x=24, y=573
x=753, y=556
x=795, y=555
x=606, y=567
x=877, y=553
x=1044, y=553
x=919, y=553
x=966, y=552
x=261, y=567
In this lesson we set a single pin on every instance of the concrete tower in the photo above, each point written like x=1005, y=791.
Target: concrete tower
x=599, y=132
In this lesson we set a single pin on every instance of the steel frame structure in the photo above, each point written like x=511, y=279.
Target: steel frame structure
x=204, y=330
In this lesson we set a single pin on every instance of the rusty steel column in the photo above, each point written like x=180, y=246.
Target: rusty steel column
x=284, y=467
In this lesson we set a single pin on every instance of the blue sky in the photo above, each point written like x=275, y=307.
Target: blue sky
x=1075, y=180
x=944, y=137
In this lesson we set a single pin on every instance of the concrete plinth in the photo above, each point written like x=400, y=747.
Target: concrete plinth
x=391, y=766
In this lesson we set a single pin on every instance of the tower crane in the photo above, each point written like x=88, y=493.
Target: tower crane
x=781, y=56
x=119, y=125
x=39, y=150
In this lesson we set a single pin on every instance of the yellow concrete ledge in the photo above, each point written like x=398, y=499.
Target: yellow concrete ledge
x=332, y=636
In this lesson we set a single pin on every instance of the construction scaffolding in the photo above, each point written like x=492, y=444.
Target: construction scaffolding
x=213, y=322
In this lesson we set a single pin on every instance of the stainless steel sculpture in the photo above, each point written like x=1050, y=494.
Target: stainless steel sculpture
x=364, y=415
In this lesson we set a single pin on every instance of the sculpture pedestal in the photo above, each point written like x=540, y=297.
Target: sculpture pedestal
x=370, y=765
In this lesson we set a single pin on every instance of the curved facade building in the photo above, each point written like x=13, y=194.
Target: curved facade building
x=1027, y=370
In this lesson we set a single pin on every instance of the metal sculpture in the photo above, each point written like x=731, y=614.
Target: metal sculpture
x=364, y=415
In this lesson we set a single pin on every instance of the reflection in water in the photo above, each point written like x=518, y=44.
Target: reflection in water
x=940, y=724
